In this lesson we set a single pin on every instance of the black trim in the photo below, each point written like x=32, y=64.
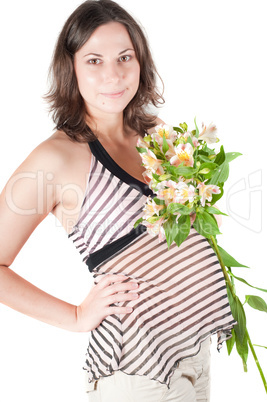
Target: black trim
x=100, y=256
x=105, y=159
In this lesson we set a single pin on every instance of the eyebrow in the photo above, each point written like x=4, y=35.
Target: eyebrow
x=100, y=55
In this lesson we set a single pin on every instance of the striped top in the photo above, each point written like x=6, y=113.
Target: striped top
x=183, y=297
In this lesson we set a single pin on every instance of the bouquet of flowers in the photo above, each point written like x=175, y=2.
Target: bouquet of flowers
x=187, y=178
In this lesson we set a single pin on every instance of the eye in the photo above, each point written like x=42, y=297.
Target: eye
x=125, y=58
x=94, y=61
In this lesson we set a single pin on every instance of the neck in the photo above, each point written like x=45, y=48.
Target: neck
x=109, y=127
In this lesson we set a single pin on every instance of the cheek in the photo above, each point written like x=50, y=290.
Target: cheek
x=135, y=76
x=86, y=81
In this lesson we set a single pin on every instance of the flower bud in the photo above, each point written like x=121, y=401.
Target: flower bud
x=204, y=171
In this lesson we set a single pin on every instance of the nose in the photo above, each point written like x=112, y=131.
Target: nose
x=112, y=72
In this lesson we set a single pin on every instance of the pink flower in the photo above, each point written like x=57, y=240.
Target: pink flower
x=156, y=228
x=184, y=154
x=180, y=192
x=194, y=139
x=164, y=129
x=167, y=191
x=141, y=143
x=151, y=208
x=206, y=191
x=185, y=193
x=151, y=162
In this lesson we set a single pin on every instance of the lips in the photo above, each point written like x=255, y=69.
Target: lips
x=113, y=94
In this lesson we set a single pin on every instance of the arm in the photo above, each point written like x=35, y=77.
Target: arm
x=23, y=205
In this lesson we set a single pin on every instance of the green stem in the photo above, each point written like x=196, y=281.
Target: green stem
x=231, y=288
x=256, y=361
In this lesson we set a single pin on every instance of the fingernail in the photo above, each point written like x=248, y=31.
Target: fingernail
x=135, y=285
x=135, y=295
x=129, y=309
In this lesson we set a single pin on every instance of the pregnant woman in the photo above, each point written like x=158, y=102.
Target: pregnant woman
x=151, y=311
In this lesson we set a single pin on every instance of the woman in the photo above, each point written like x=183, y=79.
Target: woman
x=151, y=309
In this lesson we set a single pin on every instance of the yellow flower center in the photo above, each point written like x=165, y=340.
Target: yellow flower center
x=169, y=193
x=184, y=156
x=149, y=160
x=162, y=131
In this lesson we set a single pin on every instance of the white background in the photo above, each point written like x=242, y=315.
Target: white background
x=212, y=58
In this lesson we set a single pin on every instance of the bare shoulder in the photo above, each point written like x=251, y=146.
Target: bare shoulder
x=57, y=154
x=159, y=121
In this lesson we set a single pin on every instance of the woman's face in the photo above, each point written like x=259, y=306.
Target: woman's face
x=107, y=70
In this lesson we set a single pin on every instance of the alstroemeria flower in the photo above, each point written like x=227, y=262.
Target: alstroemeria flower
x=141, y=143
x=185, y=193
x=151, y=162
x=184, y=153
x=166, y=190
x=208, y=134
x=193, y=138
x=151, y=208
x=206, y=191
x=156, y=228
x=168, y=131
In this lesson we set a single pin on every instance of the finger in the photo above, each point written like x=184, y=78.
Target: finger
x=119, y=287
x=109, y=279
x=119, y=310
x=122, y=297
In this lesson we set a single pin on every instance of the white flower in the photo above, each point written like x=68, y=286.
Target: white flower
x=180, y=192
x=156, y=228
x=151, y=162
x=209, y=134
x=184, y=153
x=168, y=131
x=151, y=208
x=185, y=193
x=206, y=191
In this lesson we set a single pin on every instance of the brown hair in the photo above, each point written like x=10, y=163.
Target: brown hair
x=66, y=103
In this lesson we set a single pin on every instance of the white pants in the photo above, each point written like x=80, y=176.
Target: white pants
x=189, y=383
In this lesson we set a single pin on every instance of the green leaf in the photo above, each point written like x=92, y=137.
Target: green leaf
x=155, y=177
x=178, y=129
x=228, y=260
x=246, y=283
x=185, y=171
x=230, y=156
x=212, y=210
x=153, y=219
x=206, y=225
x=197, y=130
x=220, y=157
x=242, y=349
x=220, y=174
x=230, y=343
x=257, y=303
x=165, y=146
x=238, y=314
x=141, y=150
x=209, y=165
x=184, y=226
x=189, y=140
x=164, y=177
x=138, y=222
x=175, y=207
x=171, y=229
x=147, y=138
x=158, y=201
x=183, y=126
x=203, y=158
x=207, y=169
